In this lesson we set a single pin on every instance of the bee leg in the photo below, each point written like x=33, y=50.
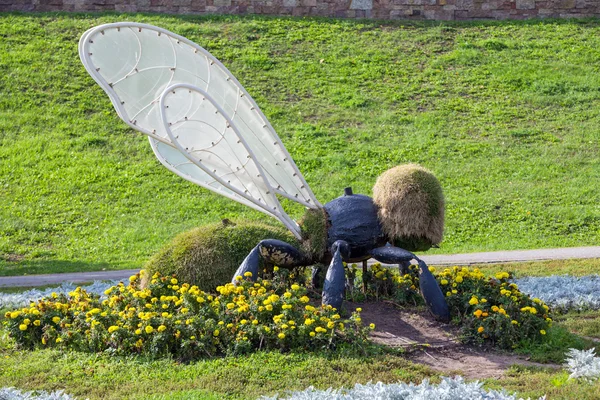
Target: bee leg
x=335, y=281
x=270, y=251
x=403, y=267
x=430, y=290
x=316, y=278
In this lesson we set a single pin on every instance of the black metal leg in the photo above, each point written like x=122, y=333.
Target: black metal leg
x=271, y=251
x=430, y=290
x=333, y=288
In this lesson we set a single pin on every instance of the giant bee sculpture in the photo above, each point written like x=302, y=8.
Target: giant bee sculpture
x=204, y=126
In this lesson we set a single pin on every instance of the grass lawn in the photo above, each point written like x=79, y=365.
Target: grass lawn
x=506, y=114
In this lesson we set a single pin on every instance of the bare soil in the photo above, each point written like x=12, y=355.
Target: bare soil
x=435, y=344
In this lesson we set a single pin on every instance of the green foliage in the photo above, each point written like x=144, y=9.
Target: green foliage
x=180, y=320
x=208, y=256
x=314, y=233
x=81, y=191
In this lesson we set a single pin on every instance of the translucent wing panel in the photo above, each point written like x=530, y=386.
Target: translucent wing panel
x=135, y=63
x=201, y=131
x=175, y=161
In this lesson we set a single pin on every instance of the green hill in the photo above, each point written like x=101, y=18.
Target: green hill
x=506, y=114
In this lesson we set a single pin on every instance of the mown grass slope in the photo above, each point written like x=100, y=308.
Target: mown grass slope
x=505, y=114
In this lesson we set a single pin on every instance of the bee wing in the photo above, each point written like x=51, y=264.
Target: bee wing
x=135, y=63
x=206, y=135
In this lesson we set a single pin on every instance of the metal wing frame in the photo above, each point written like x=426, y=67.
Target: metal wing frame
x=127, y=67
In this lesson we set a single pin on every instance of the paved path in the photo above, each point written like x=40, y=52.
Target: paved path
x=454, y=259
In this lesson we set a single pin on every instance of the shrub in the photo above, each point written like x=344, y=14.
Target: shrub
x=208, y=256
x=411, y=206
x=169, y=318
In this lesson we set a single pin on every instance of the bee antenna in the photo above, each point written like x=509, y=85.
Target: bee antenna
x=348, y=191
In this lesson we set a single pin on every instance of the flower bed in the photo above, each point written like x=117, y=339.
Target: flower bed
x=486, y=308
x=180, y=320
x=19, y=300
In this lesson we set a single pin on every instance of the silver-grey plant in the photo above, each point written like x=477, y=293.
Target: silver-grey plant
x=15, y=394
x=449, y=389
x=583, y=364
x=564, y=292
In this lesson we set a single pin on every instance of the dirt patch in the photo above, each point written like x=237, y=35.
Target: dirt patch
x=435, y=344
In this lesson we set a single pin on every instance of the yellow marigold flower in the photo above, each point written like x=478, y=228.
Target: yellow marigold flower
x=27, y=321
x=295, y=286
x=37, y=322
x=200, y=300
x=330, y=325
x=138, y=331
x=495, y=309
x=336, y=316
x=473, y=301
x=477, y=313
x=309, y=308
x=132, y=278
x=514, y=322
x=243, y=322
x=458, y=279
x=483, y=301
x=269, y=307
x=161, y=328
x=229, y=326
x=43, y=340
x=281, y=336
x=175, y=287
x=174, y=281
x=112, y=328
x=218, y=323
x=267, y=329
x=359, y=309
x=149, y=329
x=444, y=281
x=216, y=332
x=184, y=310
x=287, y=295
x=448, y=294
x=230, y=306
x=308, y=321
x=238, y=278
x=312, y=334
x=23, y=327
x=248, y=274
x=543, y=332
x=372, y=326
x=58, y=340
x=358, y=320
x=254, y=322
x=56, y=320
x=275, y=268
x=480, y=329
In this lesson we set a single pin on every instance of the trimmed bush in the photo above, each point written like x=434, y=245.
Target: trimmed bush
x=208, y=256
x=411, y=207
